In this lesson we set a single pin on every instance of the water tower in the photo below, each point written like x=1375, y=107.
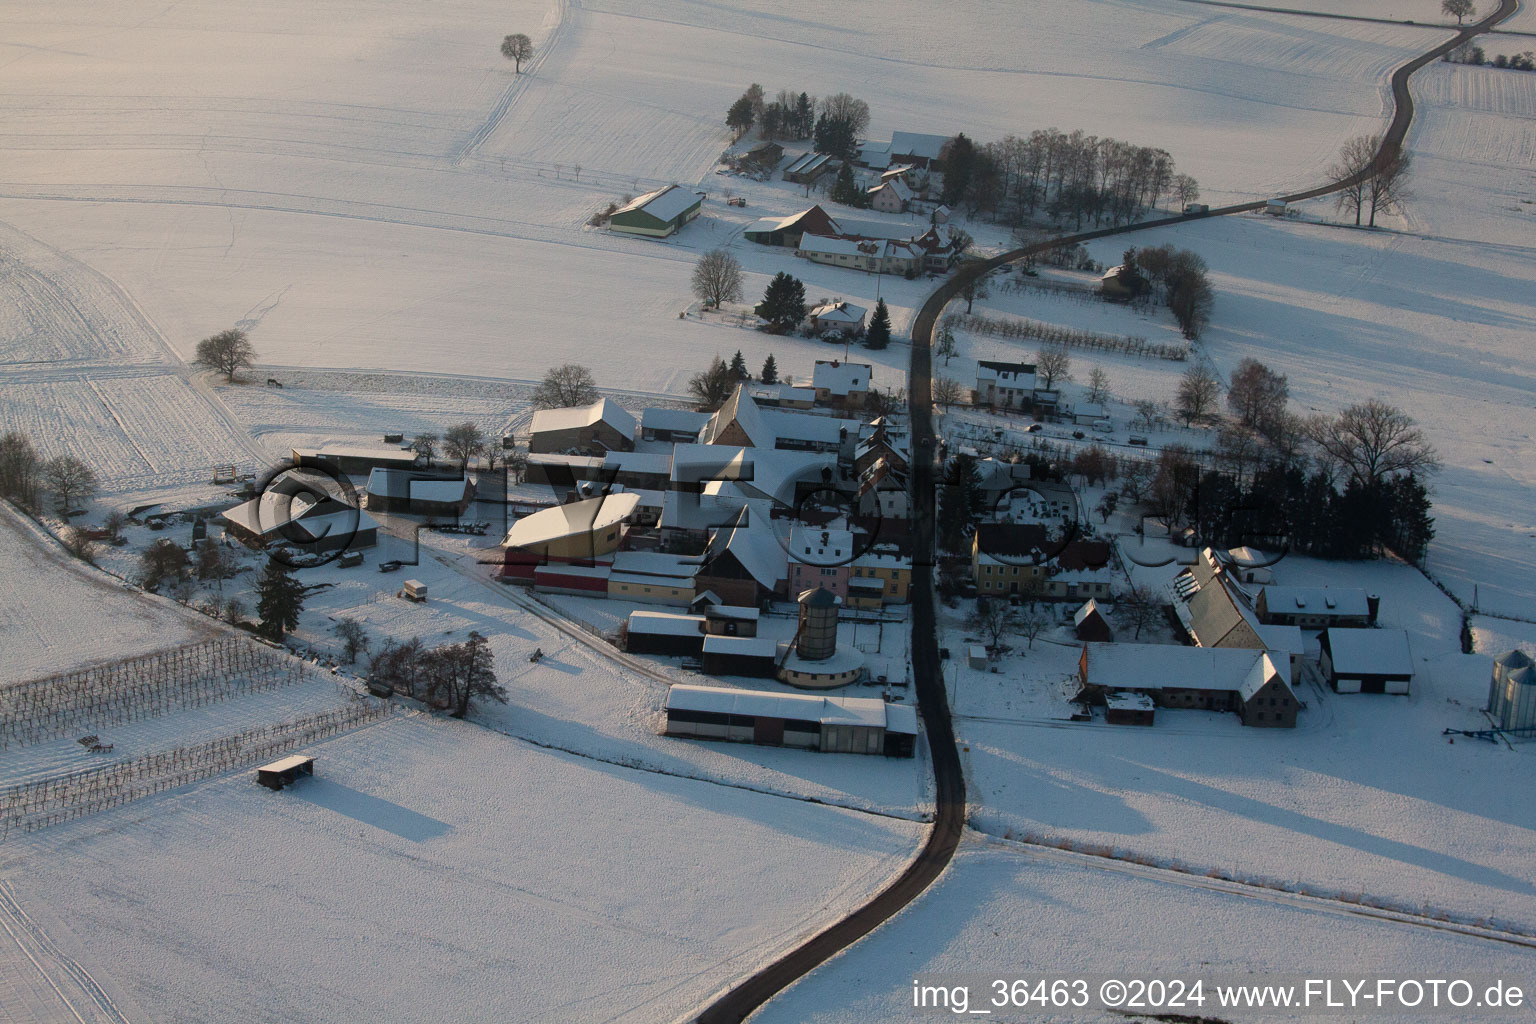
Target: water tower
x=817, y=639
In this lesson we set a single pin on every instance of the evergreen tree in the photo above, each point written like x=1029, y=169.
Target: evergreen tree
x=837, y=136
x=961, y=503
x=783, y=304
x=280, y=598
x=770, y=374
x=846, y=191
x=739, y=118
x=1412, y=527
x=739, y=367
x=959, y=159
x=879, y=334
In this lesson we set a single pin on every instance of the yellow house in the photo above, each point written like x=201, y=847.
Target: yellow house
x=879, y=578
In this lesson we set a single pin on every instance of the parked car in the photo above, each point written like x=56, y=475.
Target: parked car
x=1196, y=208
x=390, y=566
x=1138, y=439
x=1033, y=428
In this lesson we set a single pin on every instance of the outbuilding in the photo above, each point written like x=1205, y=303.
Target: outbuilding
x=657, y=214
x=595, y=429
x=285, y=771
x=855, y=725
x=417, y=493
x=1090, y=625
x=1367, y=660
x=665, y=633
x=1129, y=709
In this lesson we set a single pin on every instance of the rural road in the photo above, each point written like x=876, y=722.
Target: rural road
x=743, y=999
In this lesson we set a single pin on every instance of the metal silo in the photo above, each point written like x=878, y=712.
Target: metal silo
x=1520, y=699
x=1500, y=690
x=817, y=638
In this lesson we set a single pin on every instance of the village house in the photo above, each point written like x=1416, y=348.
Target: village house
x=672, y=425
x=301, y=511
x=1316, y=608
x=842, y=385
x=1004, y=385
x=893, y=196
x=878, y=577
x=1007, y=558
x=820, y=558
x=840, y=316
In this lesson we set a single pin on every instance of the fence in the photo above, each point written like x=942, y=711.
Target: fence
x=29, y=806
x=1019, y=328
x=142, y=687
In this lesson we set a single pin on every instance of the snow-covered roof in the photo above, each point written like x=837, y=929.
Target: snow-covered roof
x=1090, y=607
x=916, y=144
x=656, y=565
x=286, y=764
x=841, y=660
x=802, y=707
x=1287, y=639
x=356, y=451
x=1316, y=600
x=787, y=425
x=342, y=521
x=756, y=548
x=658, y=463
x=295, y=495
x=683, y=511
x=841, y=378
x=665, y=624
x=836, y=245
x=746, y=646
x=1175, y=667
x=810, y=162
x=743, y=411
x=838, y=313
x=732, y=611
x=664, y=203
x=1370, y=652
x=813, y=546
x=604, y=409
x=673, y=420
x=896, y=187
x=590, y=515
x=988, y=369
x=1128, y=702
x=768, y=473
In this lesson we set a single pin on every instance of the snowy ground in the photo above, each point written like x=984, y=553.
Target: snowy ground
x=1029, y=914
x=429, y=864
x=56, y=613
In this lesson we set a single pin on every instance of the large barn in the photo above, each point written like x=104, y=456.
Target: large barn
x=595, y=429
x=1252, y=684
x=657, y=214
x=583, y=534
x=850, y=725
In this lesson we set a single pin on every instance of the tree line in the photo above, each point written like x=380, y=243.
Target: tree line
x=834, y=122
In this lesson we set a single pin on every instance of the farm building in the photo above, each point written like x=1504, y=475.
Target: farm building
x=354, y=459
x=415, y=493
x=302, y=514
x=657, y=214
x=1512, y=693
x=1250, y=683
x=842, y=385
x=787, y=231
x=838, y=316
x=741, y=656
x=1129, y=709
x=1315, y=607
x=744, y=565
x=727, y=619
x=583, y=533
x=854, y=725
x=1090, y=624
x=815, y=661
x=875, y=255
x=1367, y=660
x=761, y=158
x=808, y=169
x=909, y=148
x=666, y=633
x=594, y=429
x=652, y=578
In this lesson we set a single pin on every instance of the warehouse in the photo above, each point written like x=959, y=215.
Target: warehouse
x=1367, y=660
x=657, y=214
x=1316, y=607
x=341, y=458
x=300, y=511
x=856, y=725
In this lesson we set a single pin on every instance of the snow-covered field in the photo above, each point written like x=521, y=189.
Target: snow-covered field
x=1031, y=914
x=434, y=870
x=56, y=613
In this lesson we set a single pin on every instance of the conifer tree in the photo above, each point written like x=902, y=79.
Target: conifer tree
x=879, y=333
x=280, y=598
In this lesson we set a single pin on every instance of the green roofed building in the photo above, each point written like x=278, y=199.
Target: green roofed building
x=657, y=214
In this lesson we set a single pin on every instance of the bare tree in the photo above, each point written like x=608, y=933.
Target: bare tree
x=19, y=467
x=975, y=287
x=353, y=637
x=457, y=674
x=227, y=352
x=1054, y=363
x=425, y=445
x=1032, y=624
x=114, y=524
x=1374, y=440
x=1137, y=608
x=517, y=48
x=1388, y=185
x=1257, y=394
x=1185, y=188
x=848, y=109
x=70, y=480
x=717, y=278
x=1458, y=9
x=462, y=441
x=79, y=544
x=565, y=386
x=1198, y=390
x=1146, y=413
x=993, y=619
x=1352, y=168
x=946, y=345
x=1098, y=385
x=714, y=385
x=946, y=391
x=162, y=559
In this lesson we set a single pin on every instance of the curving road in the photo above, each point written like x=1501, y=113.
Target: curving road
x=739, y=1002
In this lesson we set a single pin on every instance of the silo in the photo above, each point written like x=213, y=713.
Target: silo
x=1499, y=691
x=817, y=638
x=1520, y=699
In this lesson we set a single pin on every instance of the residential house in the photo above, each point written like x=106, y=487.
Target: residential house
x=840, y=316
x=1004, y=385
x=820, y=558
x=593, y=429
x=1316, y=607
x=672, y=425
x=842, y=385
x=893, y=196
x=1250, y=683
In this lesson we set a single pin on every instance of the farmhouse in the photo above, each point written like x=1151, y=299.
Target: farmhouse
x=855, y=725
x=593, y=429
x=842, y=385
x=414, y=493
x=1006, y=558
x=657, y=214
x=820, y=558
x=1367, y=660
x=761, y=158
x=744, y=565
x=787, y=231
x=873, y=255
x=1316, y=607
x=650, y=577
x=910, y=148
x=893, y=196
x=838, y=316
x=675, y=426
x=1250, y=683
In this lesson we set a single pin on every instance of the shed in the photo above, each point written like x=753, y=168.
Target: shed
x=976, y=657
x=666, y=633
x=740, y=656
x=1367, y=660
x=1090, y=624
x=285, y=771
x=657, y=214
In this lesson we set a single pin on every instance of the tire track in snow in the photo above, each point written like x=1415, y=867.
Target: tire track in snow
x=21, y=927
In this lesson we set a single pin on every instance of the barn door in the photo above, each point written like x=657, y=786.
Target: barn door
x=768, y=732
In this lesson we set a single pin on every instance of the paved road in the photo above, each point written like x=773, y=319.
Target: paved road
x=742, y=1000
